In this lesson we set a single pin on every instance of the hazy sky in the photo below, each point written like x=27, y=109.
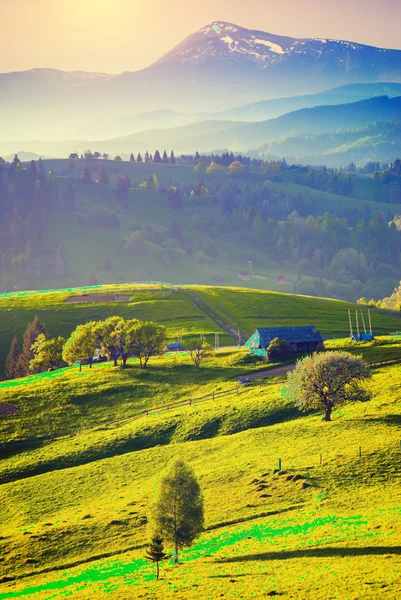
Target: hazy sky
x=124, y=35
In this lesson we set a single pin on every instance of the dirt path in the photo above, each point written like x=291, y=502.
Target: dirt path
x=201, y=304
x=273, y=372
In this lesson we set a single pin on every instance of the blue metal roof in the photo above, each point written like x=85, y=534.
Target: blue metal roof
x=293, y=335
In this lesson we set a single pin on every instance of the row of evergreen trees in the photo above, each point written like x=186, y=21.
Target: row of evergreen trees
x=18, y=360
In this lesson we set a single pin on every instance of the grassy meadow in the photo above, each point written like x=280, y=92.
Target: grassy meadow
x=230, y=308
x=74, y=509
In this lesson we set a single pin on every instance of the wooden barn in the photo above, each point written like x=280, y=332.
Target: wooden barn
x=301, y=339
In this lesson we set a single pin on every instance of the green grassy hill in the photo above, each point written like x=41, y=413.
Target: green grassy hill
x=74, y=509
x=194, y=309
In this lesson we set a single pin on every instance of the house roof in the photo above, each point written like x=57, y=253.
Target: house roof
x=293, y=335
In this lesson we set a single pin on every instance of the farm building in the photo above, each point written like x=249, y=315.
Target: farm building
x=281, y=280
x=301, y=339
x=244, y=275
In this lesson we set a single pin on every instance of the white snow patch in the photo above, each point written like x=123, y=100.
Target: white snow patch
x=227, y=40
x=273, y=47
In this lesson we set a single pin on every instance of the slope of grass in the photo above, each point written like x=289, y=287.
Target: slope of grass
x=153, y=303
x=239, y=308
x=250, y=309
x=86, y=525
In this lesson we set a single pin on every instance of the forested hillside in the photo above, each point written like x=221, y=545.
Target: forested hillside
x=221, y=220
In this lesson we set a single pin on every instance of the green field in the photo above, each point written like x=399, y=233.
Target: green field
x=74, y=509
x=227, y=310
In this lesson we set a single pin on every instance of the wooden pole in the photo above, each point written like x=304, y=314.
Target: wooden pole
x=350, y=323
x=360, y=451
x=321, y=459
x=357, y=323
x=370, y=323
x=363, y=321
x=279, y=464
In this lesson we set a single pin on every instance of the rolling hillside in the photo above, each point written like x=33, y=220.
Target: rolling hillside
x=215, y=309
x=75, y=508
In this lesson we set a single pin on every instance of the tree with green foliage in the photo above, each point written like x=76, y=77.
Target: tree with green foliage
x=278, y=349
x=12, y=359
x=156, y=552
x=132, y=157
x=178, y=509
x=109, y=343
x=118, y=158
x=82, y=344
x=327, y=380
x=148, y=339
x=31, y=334
x=86, y=176
x=198, y=351
x=48, y=354
x=165, y=158
x=124, y=338
x=215, y=169
x=172, y=160
x=139, y=158
x=102, y=177
x=157, y=158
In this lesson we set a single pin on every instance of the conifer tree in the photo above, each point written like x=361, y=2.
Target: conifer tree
x=147, y=156
x=86, y=176
x=139, y=158
x=165, y=157
x=178, y=509
x=172, y=158
x=132, y=158
x=12, y=359
x=102, y=177
x=156, y=552
x=31, y=334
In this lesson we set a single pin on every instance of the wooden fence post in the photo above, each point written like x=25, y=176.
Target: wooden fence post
x=360, y=451
x=321, y=459
x=279, y=464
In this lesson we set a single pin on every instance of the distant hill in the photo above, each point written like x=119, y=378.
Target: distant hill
x=270, y=109
x=208, y=136
x=375, y=142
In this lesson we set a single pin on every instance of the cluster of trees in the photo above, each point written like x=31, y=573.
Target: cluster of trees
x=115, y=338
x=26, y=199
x=19, y=358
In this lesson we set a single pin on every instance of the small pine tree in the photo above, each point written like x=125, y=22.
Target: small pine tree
x=156, y=552
x=132, y=158
x=86, y=176
x=165, y=157
x=139, y=158
x=102, y=177
x=12, y=359
x=172, y=158
x=147, y=156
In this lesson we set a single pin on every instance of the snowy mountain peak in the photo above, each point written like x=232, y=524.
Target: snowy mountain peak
x=221, y=41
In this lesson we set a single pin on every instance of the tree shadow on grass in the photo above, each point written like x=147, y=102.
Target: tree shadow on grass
x=316, y=553
x=386, y=419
